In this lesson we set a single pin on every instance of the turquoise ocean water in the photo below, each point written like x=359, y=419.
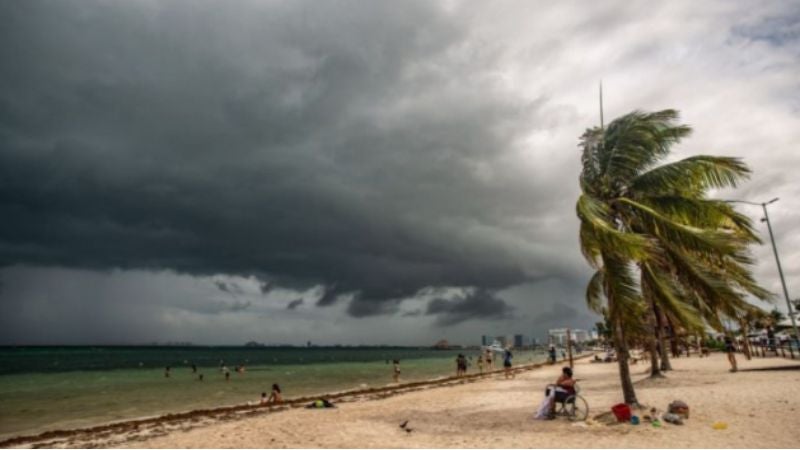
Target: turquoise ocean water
x=45, y=388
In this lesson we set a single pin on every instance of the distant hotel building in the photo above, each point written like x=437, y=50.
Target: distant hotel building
x=558, y=336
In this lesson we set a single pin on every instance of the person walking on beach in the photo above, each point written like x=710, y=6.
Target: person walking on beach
x=507, y=364
x=480, y=363
x=396, y=370
x=730, y=349
x=552, y=354
x=489, y=363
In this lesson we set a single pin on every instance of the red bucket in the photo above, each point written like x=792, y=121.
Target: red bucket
x=622, y=412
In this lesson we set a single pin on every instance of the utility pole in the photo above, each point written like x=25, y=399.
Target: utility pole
x=780, y=270
x=602, y=124
x=569, y=347
x=777, y=259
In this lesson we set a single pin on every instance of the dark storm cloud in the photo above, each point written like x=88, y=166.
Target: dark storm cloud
x=479, y=304
x=238, y=306
x=229, y=287
x=294, y=304
x=265, y=287
x=308, y=143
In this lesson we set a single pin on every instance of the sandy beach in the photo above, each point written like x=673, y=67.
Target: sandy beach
x=761, y=408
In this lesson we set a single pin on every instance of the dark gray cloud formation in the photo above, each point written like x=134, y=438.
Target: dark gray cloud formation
x=305, y=143
x=294, y=304
x=378, y=160
x=479, y=304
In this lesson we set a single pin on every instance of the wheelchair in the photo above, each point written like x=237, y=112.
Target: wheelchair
x=574, y=407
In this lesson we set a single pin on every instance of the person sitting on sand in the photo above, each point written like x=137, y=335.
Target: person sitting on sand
x=264, y=399
x=275, y=396
x=564, y=387
x=396, y=370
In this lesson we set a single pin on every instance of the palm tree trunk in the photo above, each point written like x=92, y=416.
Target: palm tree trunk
x=655, y=336
x=628, y=393
x=745, y=332
x=665, y=364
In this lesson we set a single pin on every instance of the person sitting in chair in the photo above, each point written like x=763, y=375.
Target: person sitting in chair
x=565, y=388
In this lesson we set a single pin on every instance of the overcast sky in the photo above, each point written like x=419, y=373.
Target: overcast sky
x=372, y=172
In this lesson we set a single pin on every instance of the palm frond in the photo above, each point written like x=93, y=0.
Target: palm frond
x=695, y=174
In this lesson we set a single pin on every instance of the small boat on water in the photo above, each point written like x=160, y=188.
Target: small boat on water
x=495, y=347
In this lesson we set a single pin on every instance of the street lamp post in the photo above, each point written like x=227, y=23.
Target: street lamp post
x=777, y=260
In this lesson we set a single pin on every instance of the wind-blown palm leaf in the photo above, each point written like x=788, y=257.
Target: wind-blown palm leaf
x=694, y=174
x=696, y=239
x=638, y=140
x=595, y=292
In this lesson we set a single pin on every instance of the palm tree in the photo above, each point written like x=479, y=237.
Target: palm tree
x=776, y=317
x=660, y=248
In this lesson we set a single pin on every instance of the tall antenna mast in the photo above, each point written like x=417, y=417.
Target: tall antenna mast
x=602, y=125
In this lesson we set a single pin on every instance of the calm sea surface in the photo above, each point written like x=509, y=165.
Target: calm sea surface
x=43, y=388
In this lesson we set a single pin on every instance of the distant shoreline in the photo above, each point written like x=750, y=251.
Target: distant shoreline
x=242, y=410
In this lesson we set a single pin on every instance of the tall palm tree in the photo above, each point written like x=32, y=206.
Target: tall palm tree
x=660, y=248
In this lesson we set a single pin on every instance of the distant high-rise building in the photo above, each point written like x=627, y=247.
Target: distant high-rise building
x=558, y=336
x=486, y=340
x=580, y=335
x=519, y=341
x=503, y=340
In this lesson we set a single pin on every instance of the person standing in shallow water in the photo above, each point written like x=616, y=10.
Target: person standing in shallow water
x=461, y=365
x=507, y=356
x=166, y=372
x=396, y=371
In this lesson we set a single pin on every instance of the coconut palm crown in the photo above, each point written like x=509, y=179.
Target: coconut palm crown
x=659, y=245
